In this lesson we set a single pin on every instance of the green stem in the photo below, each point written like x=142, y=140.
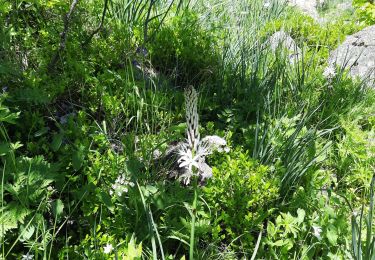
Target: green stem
x=194, y=211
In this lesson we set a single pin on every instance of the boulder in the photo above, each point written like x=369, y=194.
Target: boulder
x=281, y=39
x=357, y=53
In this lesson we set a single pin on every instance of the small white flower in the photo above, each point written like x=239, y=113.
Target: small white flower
x=266, y=4
x=317, y=231
x=27, y=257
x=329, y=72
x=108, y=248
x=186, y=159
x=355, y=213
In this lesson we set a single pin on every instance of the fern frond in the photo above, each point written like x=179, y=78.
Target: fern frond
x=12, y=214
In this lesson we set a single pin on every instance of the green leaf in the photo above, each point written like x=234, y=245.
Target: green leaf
x=271, y=230
x=57, y=208
x=332, y=235
x=27, y=232
x=77, y=159
x=300, y=216
x=279, y=243
x=106, y=199
x=56, y=142
x=4, y=148
x=41, y=132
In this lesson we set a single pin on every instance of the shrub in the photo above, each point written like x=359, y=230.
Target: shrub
x=365, y=10
x=240, y=196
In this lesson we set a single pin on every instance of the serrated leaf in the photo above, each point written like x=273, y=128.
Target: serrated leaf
x=27, y=232
x=12, y=214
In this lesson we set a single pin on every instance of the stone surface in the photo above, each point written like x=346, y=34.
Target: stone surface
x=307, y=6
x=311, y=7
x=357, y=53
x=281, y=39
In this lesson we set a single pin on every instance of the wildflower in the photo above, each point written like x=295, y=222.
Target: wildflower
x=187, y=159
x=108, y=248
x=193, y=152
x=27, y=257
x=120, y=186
x=317, y=231
x=266, y=4
x=329, y=72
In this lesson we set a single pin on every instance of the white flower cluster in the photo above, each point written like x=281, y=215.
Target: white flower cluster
x=329, y=72
x=189, y=161
x=317, y=232
x=28, y=256
x=193, y=151
x=108, y=249
x=121, y=185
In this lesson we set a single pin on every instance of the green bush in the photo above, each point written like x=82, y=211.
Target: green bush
x=240, y=196
x=184, y=50
x=365, y=10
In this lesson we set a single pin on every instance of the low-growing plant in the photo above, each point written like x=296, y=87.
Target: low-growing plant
x=364, y=249
x=365, y=10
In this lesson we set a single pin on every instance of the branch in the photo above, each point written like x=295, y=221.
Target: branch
x=100, y=24
x=63, y=36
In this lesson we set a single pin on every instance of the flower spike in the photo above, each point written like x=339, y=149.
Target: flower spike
x=192, y=118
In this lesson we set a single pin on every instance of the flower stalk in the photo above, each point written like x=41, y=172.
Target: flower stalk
x=192, y=154
x=193, y=218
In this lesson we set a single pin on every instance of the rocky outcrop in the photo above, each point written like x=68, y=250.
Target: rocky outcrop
x=357, y=53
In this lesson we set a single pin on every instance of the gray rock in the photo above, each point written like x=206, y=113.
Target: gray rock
x=309, y=7
x=281, y=39
x=357, y=53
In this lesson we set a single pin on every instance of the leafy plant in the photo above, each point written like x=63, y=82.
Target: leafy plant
x=365, y=10
x=365, y=249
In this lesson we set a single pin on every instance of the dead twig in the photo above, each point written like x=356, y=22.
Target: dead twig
x=63, y=36
x=100, y=25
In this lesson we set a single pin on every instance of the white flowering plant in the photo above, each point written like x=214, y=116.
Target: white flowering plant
x=193, y=152
x=192, y=155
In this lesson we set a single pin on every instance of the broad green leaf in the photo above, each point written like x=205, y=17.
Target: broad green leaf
x=56, y=142
x=332, y=235
x=300, y=215
x=106, y=199
x=4, y=148
x=57, y=208
x=77, y=159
